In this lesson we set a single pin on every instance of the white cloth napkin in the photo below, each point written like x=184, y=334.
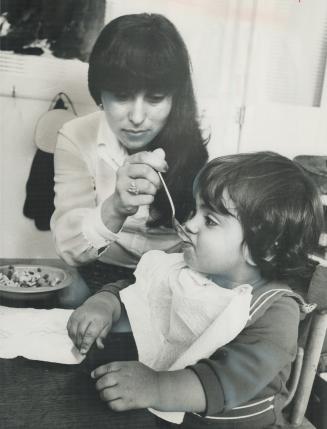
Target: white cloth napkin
x=179, y=316
x=37, y=335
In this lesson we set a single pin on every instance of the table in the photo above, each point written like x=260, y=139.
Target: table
x=43, y=395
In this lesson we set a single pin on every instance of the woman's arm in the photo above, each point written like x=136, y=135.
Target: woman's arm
x=81, y=228
x=77, y=238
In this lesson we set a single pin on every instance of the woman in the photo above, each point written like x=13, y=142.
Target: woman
x=108, y=201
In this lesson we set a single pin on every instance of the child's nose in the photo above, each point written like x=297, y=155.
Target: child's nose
x=191, y=225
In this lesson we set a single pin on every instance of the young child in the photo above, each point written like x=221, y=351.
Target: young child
x=257, y=217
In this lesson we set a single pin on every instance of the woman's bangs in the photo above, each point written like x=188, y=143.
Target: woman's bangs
x=130, y=67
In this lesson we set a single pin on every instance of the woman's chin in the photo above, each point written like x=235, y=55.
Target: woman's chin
x=134, y=147
x=135, y=142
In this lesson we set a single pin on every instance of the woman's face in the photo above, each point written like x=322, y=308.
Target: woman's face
x=136, y=119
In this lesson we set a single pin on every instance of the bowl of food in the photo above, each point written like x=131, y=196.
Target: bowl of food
x=32, y=282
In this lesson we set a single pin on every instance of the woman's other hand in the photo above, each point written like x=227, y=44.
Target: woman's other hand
x=93, y=320
x=137, y=183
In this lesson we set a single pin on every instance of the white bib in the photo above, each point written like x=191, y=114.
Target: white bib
x=178, y=316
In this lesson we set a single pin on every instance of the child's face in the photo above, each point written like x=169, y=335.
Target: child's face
x=218, y=247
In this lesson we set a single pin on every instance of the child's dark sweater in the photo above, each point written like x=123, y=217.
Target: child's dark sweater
x=256, y=365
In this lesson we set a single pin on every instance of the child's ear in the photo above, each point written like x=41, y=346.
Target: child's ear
x=247, y=255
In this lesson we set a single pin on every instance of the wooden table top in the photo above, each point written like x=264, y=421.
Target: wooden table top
x=43, y=395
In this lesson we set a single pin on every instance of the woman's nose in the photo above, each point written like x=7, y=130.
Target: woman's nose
x=137, y=111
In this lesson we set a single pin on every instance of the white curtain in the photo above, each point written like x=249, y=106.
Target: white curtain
x=284, y=101
x=288, y=58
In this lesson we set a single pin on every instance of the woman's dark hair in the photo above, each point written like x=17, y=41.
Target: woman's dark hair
x=277, y=204
x=145, y=52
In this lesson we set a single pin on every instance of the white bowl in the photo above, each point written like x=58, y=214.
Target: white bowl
x=59, y=278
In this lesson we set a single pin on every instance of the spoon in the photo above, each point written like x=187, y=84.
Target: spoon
x=176, y=224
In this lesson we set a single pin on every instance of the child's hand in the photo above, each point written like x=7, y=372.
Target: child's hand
x=127, y=385
x=92, y=321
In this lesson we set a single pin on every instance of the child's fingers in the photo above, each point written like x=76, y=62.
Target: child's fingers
x=119, y=405
x=103, y=334
x=76, y=334
x=80, y=332
x=108, y=383
x=76, y=327
x=89, y=335
x=72, y=329
x=106, y=369
x=99, y=343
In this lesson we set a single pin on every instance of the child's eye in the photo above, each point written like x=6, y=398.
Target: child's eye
x=155, y=97
x=209, y=221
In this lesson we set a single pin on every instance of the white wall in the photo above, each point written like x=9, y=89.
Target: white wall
x=27, y=86
x=18, y=234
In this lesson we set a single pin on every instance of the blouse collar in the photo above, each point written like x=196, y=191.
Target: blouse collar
x=109, y=147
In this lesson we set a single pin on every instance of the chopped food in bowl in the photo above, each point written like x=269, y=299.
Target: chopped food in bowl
x=27, y=278
x=32, y=281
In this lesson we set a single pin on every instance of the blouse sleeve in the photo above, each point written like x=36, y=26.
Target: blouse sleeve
x=77, y=227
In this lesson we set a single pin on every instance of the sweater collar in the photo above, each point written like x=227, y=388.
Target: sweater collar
x=256, y=282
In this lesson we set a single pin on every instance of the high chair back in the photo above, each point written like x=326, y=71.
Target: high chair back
x=310, y=347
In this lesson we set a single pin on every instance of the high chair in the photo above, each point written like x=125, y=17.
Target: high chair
x=311, y=340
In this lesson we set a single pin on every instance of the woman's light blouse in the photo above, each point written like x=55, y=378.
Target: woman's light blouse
x=86, y=160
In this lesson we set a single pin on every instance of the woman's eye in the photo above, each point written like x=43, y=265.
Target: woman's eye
x=155, y=98
x=122, y=96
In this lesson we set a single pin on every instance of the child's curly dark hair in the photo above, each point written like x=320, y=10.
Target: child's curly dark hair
x=277, y=204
